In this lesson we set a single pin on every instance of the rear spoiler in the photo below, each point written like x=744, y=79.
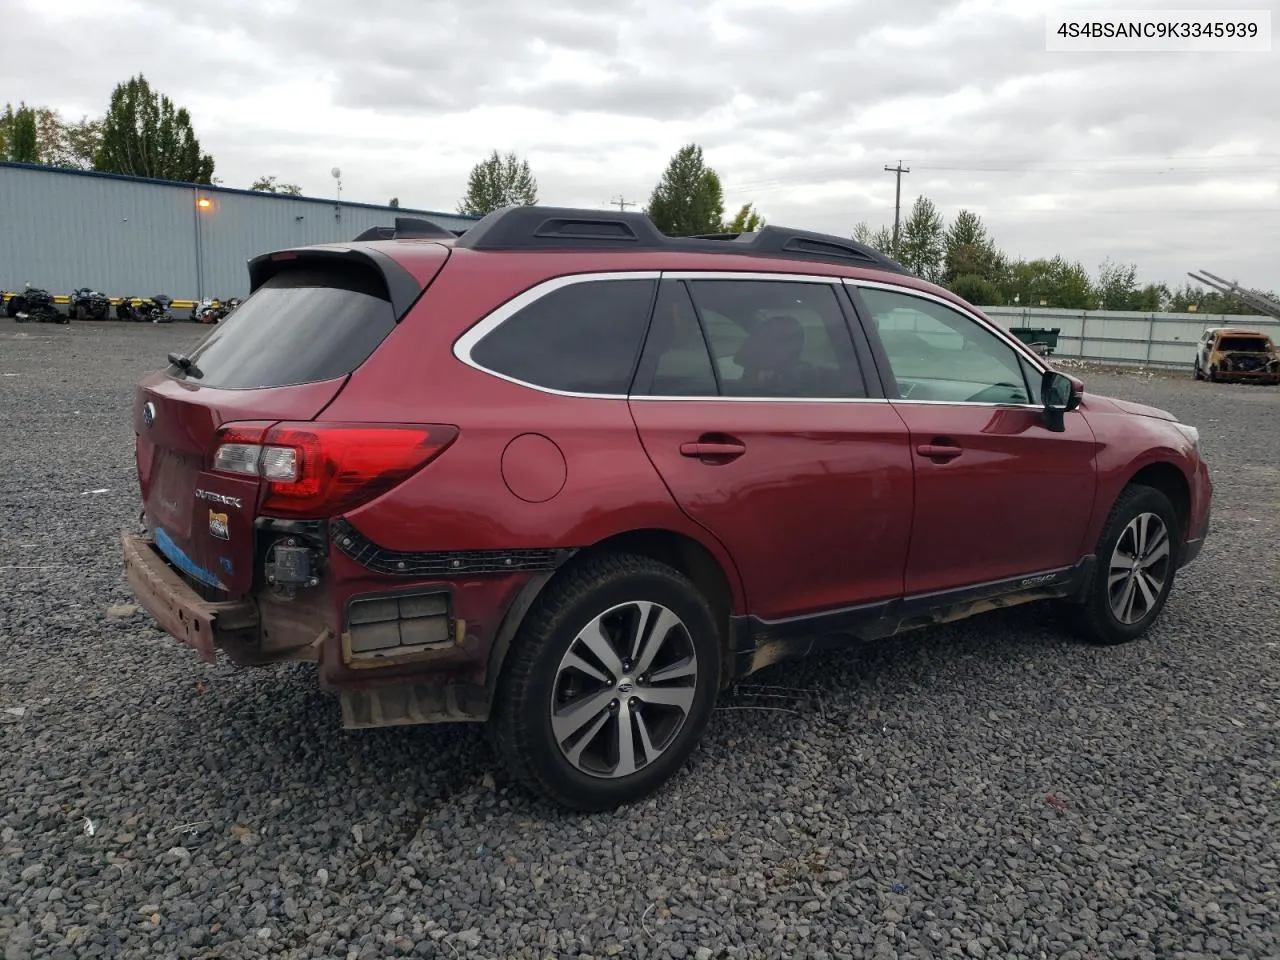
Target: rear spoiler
x=402, y=287
x=410, y=228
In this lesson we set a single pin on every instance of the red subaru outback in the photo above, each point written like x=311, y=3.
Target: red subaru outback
x=571, y=477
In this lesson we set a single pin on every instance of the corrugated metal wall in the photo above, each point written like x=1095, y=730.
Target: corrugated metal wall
x=1112, y=336
x=127, y=237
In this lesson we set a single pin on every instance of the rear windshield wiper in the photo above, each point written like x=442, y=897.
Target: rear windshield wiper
x=185, y=364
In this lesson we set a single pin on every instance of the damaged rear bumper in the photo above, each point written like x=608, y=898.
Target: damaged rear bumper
x=185, y=615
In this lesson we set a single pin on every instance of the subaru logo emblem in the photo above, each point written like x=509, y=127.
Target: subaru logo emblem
x=148, y=413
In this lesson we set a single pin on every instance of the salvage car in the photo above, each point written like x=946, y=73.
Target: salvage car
x=570, y=477
x=1232, y=354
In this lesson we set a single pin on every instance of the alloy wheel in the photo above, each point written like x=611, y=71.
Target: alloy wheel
x=1140, y=565
x=624, y=689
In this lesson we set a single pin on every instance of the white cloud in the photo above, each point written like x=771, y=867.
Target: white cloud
x=1168, y=160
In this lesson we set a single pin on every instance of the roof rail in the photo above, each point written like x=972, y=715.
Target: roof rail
x=565, y=228
x=408, y=228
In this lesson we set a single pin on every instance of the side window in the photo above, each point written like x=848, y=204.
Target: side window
x=937, y=353
x=581, y=338
x=777, y=338
x=675, y=361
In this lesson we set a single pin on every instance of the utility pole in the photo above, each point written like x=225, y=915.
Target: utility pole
x=897, y=201
x=622, y=204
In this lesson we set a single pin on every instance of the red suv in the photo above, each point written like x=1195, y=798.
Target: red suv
x=572, y=477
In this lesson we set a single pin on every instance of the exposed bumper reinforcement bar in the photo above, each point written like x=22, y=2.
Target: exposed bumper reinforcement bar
x=179, y=610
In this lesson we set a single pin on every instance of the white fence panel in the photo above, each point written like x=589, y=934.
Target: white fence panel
x=1112, y=336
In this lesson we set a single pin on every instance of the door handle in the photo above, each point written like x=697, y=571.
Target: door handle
x=721, y=450
x=939, y=452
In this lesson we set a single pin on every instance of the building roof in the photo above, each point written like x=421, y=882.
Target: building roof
x=215, y=188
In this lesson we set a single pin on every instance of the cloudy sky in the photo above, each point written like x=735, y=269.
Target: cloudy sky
x=1167, y=160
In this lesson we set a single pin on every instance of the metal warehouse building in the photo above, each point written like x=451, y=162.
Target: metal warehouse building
x=128, y=236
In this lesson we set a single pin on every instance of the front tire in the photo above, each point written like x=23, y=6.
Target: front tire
x=1137, y=560
x=609, y=684
x=1198, y=374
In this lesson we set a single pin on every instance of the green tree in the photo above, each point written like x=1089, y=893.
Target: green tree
x=880, y=240
x=976, y=289
x=73, y=143
x=145, y=135
x=1183, y=299
x=1116, y=286
x=746, y=220
x=1051, y=283
x=922, y=245
x=394, y=203
x=57, y=143
x=19, y=135
x=969, y=250
x=499, y=182
x=269, y=185
x=1151, y=298
x=689, y=199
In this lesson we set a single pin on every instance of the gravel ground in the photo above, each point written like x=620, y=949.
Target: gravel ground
x=991, y=789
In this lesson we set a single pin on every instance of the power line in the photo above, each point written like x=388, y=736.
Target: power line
x=899, y=170
x=1203, y=163
x=816, y=178
x=621, y=203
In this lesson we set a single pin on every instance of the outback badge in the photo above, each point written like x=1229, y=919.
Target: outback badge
x=219, y=526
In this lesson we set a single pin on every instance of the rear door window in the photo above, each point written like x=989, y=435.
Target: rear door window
x=676, y=362
x=580, y=338
x=778, y=338
x=305, y=324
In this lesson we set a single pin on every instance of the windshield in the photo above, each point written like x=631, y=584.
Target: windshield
x=1244, y=344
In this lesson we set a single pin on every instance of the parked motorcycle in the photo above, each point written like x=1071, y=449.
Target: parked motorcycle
x=208, y=310
x=145, y=309
x=156, y=309
x=88, y=304
x=36, y=304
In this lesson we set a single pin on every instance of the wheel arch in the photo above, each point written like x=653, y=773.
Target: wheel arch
x=1169, y=479
x=678, y=550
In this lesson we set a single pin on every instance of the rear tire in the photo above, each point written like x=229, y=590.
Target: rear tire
x=1138, y=556
x=633, y=646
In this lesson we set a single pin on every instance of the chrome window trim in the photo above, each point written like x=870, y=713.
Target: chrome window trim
x=719, y=399
x=759, y=276
x=464, y=345
x=968, y=403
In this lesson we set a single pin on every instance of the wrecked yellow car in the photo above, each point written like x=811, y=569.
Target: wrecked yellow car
x=1230, y=354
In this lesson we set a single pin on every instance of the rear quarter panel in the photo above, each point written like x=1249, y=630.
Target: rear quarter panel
x=590, y=481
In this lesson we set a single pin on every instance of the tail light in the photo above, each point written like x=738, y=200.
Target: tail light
x=317, y=470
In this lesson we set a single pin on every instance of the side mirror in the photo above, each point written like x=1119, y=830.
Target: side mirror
x=1060, y=394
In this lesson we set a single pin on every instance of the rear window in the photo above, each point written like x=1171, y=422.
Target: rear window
x=1244, y=344
x=305, y=324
